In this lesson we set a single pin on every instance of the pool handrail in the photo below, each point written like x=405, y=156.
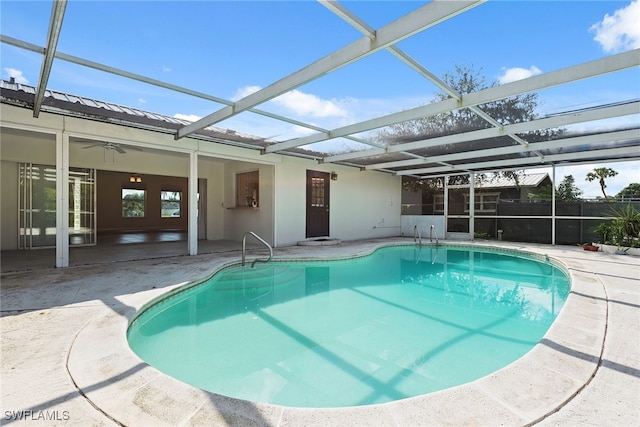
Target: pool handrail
x=416, y=230
x=432, y=231
x=261, y=240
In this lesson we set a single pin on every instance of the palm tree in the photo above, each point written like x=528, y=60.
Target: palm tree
x=601, y=174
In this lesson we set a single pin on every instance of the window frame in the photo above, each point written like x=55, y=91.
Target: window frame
x=137, y=188
x=480, y=203
x=438, y=202
x=163, y=200
x=247, y=189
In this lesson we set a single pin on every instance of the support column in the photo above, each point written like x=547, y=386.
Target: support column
x=193, y=203
x=553, y=204
x=446, y=205
x=62, y=199
x=472, y=205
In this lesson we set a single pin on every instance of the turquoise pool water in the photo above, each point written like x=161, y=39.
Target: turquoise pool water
x=401, y=322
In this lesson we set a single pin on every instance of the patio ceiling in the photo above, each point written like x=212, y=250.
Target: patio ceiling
x=494, y=147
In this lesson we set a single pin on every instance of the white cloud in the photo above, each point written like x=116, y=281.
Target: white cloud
x=142, y=101
x=620, y=31
x=17, y=75
x=309, y=105
x=302, y=131
x=188, y=117
x=299, y=103
x=244, y=91
x=166, y=69
x=512, y=74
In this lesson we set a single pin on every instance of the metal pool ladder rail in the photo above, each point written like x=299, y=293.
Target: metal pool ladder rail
x=261, y=240
x=416, y=231
x=432, y=232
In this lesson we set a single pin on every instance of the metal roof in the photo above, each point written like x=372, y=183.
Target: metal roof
x=527, y=180
x=495, y=146
x=92, y=109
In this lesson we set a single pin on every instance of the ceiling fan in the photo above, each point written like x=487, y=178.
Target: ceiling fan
x=107, y=146
x=110, y=146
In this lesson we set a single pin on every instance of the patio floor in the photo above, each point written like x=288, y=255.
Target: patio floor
x=65, y=359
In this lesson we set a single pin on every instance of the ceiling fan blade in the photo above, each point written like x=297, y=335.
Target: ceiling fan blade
x=119, y=149
x=94, y=145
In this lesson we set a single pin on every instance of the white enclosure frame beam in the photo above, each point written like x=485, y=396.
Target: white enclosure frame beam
x=553, y=204
x=159, y=83
x=545, y=123
x=598, y=156
x=404, y=27
x=582, y=71
x=514, y=149
x=472, y=205
x=368, y=31
x=55, y=25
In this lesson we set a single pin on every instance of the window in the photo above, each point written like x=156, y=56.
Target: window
x=317, y=192
x=133, y=202
x=484, y=202
x=170, y=204
x=438, y=203
x=247, y=189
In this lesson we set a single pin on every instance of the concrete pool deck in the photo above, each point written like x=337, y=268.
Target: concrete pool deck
x=65, y=358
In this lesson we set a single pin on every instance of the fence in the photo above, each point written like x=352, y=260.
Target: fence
x=532, y=221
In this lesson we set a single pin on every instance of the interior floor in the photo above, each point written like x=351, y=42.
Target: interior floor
x=119, y=247
x=142, y=237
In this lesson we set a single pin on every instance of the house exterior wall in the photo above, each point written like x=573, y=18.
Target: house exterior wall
x=213, y=171
x=109, y=203
x=364, y=204
x=239, y=220
x=9, y=205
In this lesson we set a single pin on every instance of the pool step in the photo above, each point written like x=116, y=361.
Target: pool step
x=259, y=277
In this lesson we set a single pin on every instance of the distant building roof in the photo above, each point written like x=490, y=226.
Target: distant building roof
x=529, y=180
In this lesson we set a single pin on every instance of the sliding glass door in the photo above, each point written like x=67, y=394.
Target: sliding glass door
x=37, y=206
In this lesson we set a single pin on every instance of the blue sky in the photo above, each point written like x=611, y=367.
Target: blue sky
x=229, y=49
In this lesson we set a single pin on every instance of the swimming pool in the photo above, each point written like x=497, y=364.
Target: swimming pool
x=401, y=322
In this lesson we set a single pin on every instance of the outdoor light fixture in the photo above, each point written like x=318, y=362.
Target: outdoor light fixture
x=334, y=176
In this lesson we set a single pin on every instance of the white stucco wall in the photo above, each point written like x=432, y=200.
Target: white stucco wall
x=239, y=220
x=213, y=171
x=9, y=205
x=424, y=223
x=363, y=204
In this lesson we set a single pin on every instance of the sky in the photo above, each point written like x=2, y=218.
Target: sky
x=230, y=49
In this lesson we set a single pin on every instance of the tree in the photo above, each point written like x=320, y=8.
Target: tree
x=465, y=80
x=567, y=189
x=601, y=174
x=631, y=191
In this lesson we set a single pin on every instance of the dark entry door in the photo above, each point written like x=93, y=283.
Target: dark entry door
x=317, y=204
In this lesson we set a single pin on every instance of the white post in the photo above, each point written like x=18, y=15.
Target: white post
x=553, y=204
x=446, y=205
x=193, y=203
x=472, y=204
x=62, y=199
